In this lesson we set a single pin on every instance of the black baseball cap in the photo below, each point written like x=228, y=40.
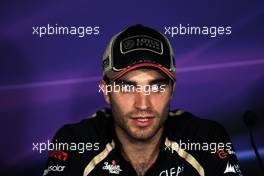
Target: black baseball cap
x=138, y=46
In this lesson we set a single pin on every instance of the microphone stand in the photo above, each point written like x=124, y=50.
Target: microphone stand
x=249, y=119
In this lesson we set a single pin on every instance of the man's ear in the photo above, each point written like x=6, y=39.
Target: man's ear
x=103, y=87
x=173, y=88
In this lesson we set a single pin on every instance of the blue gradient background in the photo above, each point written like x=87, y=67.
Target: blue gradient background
x=50, y=81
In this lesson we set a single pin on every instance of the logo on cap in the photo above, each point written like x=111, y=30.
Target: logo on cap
x=141, y=42
x=129, y=44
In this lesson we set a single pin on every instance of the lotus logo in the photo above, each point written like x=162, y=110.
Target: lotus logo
x=129, y=44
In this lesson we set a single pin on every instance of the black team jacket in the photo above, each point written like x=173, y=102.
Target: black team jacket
x=190, y=146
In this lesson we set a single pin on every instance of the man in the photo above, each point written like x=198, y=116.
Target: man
x=139, y=135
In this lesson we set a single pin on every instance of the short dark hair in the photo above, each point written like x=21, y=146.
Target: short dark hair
x=106, y=79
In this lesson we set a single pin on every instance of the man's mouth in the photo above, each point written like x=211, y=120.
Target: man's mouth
x=142, y=121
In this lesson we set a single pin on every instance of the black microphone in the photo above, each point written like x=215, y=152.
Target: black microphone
x=250, y=119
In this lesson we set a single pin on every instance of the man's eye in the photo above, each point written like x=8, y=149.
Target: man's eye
x=127, y=88
x=158, y=87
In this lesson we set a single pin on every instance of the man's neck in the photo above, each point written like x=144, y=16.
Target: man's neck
x=141, y=154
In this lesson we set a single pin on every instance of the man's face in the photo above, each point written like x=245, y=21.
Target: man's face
x=141, y=113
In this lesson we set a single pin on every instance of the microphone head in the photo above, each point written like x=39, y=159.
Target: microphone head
x=250, y=118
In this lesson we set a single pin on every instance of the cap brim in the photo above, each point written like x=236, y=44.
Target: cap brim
x=164, y=70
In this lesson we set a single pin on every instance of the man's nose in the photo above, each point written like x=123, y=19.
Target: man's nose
x=142, y=101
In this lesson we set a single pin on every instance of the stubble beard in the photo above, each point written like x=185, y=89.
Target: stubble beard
x=135, y=133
